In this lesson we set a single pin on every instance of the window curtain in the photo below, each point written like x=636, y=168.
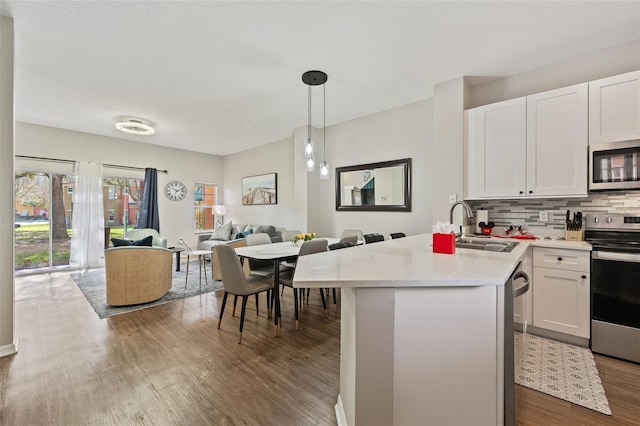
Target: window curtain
x=149, y=217
x=87, y=225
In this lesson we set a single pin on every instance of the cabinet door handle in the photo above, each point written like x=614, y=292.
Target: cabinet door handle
x=521, y=192
x=584, y=277
x=559, y=259
x=530, y=192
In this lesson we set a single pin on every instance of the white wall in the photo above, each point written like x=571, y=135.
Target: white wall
x=275, y=157
x=307, y=203
x=8, y=341
x=404, y=132
x=176, y=218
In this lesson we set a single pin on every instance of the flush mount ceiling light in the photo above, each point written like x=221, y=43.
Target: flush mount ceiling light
x=311, y=78
x=135, y=127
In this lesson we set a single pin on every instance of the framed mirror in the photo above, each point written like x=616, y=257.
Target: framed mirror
x=384, y=186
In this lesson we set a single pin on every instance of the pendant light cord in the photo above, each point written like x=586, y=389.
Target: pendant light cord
x=324, y=123
x=309, y=115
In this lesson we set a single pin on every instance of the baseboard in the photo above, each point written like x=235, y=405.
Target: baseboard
x=340, y=417
x=555, y=335
x=10, y=349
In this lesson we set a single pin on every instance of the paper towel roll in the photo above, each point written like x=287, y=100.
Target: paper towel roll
x=481, y=216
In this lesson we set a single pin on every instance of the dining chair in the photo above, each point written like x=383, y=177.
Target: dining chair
x=373, y=238
x=353, y=239
x=263, y=268
x=397, y=235
x=318, y=245
x=235, y=282
x=289, y=235
x=352, y=232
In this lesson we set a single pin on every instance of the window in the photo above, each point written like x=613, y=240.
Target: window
x=112, y=215
x=205, y=196
x=69, y=189
x=112, y=192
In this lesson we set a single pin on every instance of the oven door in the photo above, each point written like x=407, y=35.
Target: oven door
x=614, y=165
x=615, y=287
x=615, y=304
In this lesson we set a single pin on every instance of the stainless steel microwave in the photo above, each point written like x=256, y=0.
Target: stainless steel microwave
x=614, y=165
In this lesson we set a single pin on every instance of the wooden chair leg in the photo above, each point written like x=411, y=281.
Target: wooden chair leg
x=224, y=302
x=244, y=308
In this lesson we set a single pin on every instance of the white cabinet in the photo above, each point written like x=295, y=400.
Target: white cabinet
x=614, y=108
x=534, y=146
x=561, y=291
x=557, y=142
x=497, y=149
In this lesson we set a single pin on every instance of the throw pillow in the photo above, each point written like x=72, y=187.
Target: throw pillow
x=145, y=242
x=257, y=229
x=222, y=233
x=248, y=227
x=244, y=234
x=118, y=242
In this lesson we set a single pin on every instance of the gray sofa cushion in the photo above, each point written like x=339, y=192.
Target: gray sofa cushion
x=222, y=233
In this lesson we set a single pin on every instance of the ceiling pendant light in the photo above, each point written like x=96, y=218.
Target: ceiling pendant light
x=311, y=78
x=324, y=167
x=135, y=127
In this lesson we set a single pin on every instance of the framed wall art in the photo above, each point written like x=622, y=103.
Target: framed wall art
x=260, y=189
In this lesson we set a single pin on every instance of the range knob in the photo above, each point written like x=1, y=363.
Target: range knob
x=608, y=220
x=596, y=219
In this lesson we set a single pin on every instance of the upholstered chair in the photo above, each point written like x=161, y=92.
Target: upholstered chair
x=137, y=274
x=215, y=262
x=373, y=238
x=237, y=283
x=286, y=277
x=352, y=232
x=397, y=235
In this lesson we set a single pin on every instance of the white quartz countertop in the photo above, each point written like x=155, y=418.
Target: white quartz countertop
x=406, y=262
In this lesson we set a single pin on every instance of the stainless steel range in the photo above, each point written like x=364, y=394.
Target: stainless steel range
x=615, y=284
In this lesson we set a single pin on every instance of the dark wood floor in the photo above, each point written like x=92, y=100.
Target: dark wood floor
x=170, y=365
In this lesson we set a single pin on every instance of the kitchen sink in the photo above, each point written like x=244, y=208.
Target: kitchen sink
x=499, y=246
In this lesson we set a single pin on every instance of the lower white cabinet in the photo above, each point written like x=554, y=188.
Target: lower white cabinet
x=561, y=295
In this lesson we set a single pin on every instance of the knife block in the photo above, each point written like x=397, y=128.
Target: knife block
x=574, y=235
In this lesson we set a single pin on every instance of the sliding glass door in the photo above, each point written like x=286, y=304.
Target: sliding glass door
x=44, y=214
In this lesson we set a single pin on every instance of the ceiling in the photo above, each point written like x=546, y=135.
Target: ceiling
x=221, y=77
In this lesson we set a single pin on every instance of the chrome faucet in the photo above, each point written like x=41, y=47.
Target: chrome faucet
x=467, y=209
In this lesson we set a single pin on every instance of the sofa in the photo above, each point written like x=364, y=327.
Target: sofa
x=137, y=274
x=235, y=232
x=234, y=235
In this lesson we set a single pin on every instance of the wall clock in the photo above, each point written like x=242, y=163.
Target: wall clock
x=175, y=190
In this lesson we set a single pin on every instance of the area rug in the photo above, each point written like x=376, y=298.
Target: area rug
x=92, y=283
x=559, y=369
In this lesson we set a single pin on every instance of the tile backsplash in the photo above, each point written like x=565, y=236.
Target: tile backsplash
x=525, y=212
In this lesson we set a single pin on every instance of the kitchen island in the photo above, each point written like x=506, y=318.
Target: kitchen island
x=422, y=333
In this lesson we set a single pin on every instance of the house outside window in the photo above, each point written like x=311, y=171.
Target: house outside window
x=112, y=215
x=205, y=196
x=69, y=189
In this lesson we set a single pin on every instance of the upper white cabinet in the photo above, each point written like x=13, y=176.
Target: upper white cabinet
x=534, y=146
x=614, y=108
x=497, y=149
x=557, y=144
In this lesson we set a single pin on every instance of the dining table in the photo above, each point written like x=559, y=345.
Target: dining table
x=277, y=253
